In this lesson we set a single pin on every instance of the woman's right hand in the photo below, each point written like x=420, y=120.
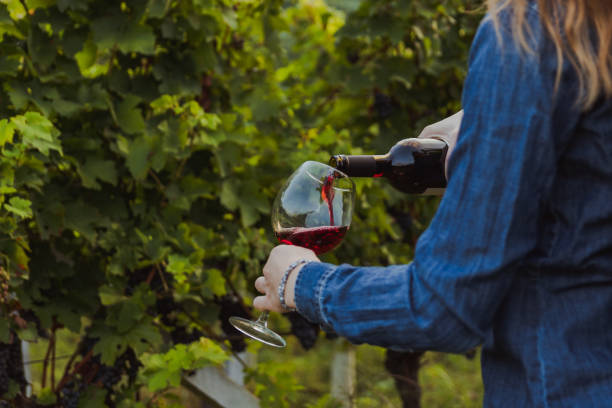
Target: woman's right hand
x=447, y=130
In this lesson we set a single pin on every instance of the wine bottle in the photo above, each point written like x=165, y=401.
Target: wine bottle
x=414, y=165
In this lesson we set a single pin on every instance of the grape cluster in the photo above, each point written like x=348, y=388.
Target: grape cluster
x=231, y=306
x=11, y=365
x=4, y=368
x=164, y=307
x=70, y=394
x=98, y=374
x=352, y=57
x=5, y=295
x=383, y=105
x=305, y=331
x=180, y=335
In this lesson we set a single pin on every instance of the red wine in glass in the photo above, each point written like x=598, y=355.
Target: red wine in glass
x=319, y=239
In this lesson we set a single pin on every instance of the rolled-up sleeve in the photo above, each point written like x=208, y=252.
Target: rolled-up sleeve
x=487, y=223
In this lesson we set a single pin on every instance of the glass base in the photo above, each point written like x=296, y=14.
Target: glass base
x=258, y=331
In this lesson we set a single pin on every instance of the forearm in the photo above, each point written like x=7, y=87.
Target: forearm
x=390, y=307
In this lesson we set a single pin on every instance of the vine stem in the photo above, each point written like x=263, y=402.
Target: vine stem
x=160, y=185
x=161, y=276
x=67, y=376
x=53, y=338
x=46, y=361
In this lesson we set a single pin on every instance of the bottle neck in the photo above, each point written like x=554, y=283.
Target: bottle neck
x=361, y=165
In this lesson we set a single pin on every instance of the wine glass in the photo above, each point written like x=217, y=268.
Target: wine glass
x=313, y=209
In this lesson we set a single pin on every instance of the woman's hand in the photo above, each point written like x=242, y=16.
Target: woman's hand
x=447, y=130
x=279, y=260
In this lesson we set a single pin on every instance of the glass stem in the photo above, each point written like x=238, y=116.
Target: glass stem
x=263, y=318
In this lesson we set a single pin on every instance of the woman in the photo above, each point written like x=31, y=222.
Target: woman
x=518, y=257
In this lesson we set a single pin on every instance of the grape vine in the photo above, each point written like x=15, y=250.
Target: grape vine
x=142, y=143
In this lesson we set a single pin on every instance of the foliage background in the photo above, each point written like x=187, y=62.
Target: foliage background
x=142, y=143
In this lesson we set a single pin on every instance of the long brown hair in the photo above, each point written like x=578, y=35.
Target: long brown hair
x=571, y=25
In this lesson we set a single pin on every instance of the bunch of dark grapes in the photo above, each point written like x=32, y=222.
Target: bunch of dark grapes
x=352, y=57
x=133, y=365
x=180, y=335
x=101, y=375
x=11, y=365
x=231, y=306
x=383, y=105
x=5, y=355
x=164, y=307
x=70, y=394
x=305, y=331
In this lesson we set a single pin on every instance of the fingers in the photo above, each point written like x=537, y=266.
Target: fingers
x=261, y=285
x=263, y=303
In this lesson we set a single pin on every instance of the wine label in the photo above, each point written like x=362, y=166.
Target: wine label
x=434, y=191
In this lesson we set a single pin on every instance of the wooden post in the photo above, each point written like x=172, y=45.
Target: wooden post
x=222, y=387
x=27, y=371
x=344, y=374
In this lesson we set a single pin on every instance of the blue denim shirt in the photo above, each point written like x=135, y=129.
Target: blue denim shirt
x=518, y=257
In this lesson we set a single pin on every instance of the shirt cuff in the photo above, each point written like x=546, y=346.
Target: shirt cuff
x=309, y=287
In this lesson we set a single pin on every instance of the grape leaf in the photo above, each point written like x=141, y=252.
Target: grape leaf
x=38, y=132
x=129, y=115
x=138, y=158
x=7, y=129
x=98, y=169
x=19, y=206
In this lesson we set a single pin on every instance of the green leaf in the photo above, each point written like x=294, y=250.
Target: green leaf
x=28, y=334
x=138, y=38
x=129, y=36
x=34, y=4
x=38, y=132
x=7, y=129
x=208, y=351
x=15, y=9
x=157, y=8
x=112, y=344
x=138, y=158
x=40, y=47
x=109, y=295
x=230, y=195
x=9, y=65
x=81, y=218
x=214, y=283
x=18, y=95
x=98, y=169
x=46, y=396
x=129, y=115
x=91, y=62
x=77, y=5
x=264, y=104
x=19, y=207
x=161, y=380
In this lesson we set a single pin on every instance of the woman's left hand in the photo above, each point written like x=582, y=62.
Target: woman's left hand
x=279, y=260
